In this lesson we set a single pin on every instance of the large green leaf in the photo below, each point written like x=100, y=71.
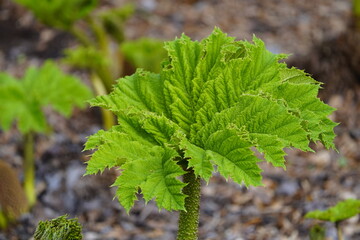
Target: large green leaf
x=229, y=149
x=158, y=179
x=213, y=102
x=138, y=92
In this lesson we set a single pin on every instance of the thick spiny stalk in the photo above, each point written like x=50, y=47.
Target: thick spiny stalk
x=189, y=219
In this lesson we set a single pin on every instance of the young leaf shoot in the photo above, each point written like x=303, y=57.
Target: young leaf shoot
x=212, y=102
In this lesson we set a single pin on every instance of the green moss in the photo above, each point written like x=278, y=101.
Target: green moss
x=59, y=228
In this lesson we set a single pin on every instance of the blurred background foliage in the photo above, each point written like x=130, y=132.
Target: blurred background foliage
x=100, y=33
x=100, y=41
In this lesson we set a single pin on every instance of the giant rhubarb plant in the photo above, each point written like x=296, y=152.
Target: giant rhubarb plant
x=212, y=102
x=22, y=101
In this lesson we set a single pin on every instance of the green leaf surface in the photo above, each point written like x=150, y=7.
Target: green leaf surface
x=212, y=103
x=114, y=151
x=229, y=149
x=178, y=74
x=158, y=180
x=341, y=211
x=138, y=92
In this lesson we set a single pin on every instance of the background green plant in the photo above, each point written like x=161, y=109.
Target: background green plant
x=340, y=212
x=22, y=101
x=61, y=14
x=101, y=35
x=211, y=103
x=145, y=53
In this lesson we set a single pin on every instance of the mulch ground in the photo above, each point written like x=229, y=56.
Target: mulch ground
x=318, y=33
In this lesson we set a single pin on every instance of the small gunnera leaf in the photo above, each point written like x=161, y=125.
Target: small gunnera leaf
x=341, y=211
x=211, y=104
